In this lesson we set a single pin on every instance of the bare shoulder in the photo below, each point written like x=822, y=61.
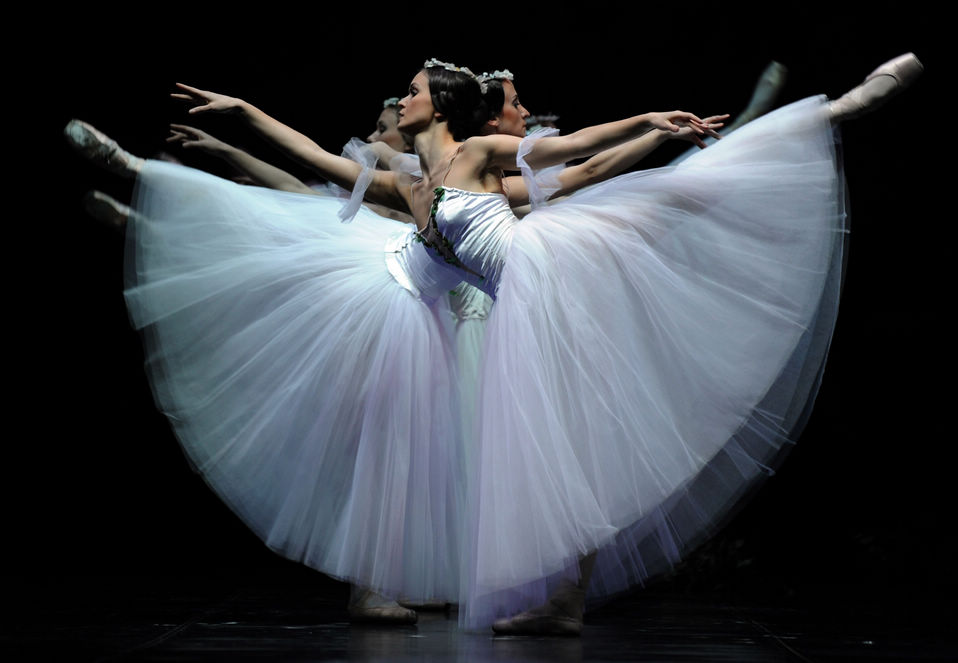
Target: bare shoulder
x=497, y=149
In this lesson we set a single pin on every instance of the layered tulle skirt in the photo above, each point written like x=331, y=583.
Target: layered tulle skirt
x=312, y=391
x=655, y=344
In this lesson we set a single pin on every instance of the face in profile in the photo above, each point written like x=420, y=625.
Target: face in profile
x=512, y=120
x=387, y=130
x=415, y=109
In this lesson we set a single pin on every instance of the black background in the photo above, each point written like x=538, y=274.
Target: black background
x=95, y=482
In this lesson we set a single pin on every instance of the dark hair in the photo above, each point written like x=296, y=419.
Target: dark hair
x=457, y=96
x=494, y=97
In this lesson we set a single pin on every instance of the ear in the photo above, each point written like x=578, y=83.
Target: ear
x=494, y=121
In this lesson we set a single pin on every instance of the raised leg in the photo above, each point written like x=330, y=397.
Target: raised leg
x=101, y=149
x=888, y=80
x=769, y=84
x=106, y=209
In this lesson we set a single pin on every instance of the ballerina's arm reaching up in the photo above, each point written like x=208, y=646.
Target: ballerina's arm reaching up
x=383, y=189
x=262, y=173
x=592, y=140
x=613, y=161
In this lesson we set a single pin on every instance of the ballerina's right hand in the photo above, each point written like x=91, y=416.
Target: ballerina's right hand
x=203, y=100
x=693, y=134
x=190, y=137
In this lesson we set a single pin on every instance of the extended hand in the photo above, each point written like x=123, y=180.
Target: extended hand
x=203, y=100
x=189, y=137
x=709, y=126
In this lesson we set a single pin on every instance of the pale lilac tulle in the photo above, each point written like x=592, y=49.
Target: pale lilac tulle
x=656, y=343
x=313, y=392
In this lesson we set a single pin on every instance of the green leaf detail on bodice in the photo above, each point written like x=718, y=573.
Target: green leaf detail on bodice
x=433, y=239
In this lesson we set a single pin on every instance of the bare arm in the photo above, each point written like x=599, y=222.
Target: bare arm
x=344, y=172
x=611, y=162
x=501, y=150
x=608, y=163
x=259, y=171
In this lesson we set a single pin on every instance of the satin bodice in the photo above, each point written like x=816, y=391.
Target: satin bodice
x=479, y=228
x=474, y=230
x=418, y=269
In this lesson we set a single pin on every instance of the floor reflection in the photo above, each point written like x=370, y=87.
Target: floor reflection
x=185, y=619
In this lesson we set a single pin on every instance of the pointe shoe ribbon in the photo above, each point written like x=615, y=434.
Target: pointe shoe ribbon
x=885, y=82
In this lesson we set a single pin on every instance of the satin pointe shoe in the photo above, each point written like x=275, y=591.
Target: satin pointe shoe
x=561, y=615
x=769, y=84
x=101, y=149
x=888, y=80
x=368, y=607
x=106, y=209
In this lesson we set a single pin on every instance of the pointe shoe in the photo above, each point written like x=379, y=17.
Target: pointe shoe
x=101, y=149
x=885, y=82
x=106, y=209
x=770, y=83
x=561, y=615
x=368, y=607
x=538, y=622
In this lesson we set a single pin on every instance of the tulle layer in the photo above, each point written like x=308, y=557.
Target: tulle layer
x=313, y=392
x=656, y=343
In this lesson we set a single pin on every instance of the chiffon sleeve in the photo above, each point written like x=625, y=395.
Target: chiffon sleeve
x=360, y=152
x=540, y=183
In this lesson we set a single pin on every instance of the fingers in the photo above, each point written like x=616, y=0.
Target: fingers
x=193, y=90
x=187, y=136
x=185, y=128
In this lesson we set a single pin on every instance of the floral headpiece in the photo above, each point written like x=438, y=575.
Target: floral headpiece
x=504, y=75
x=392, y=101
x=433, y=62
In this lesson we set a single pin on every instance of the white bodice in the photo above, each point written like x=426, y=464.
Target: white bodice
x=479, y=228
x=476, y=227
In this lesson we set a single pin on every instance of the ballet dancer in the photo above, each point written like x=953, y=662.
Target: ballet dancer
x=640, y=331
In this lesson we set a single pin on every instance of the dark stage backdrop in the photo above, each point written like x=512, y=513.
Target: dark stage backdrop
x=97, y=484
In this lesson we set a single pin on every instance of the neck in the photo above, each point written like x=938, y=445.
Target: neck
x=433, y=146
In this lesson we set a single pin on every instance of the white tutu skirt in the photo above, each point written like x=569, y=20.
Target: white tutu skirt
x=314, y=393
x=656, y=342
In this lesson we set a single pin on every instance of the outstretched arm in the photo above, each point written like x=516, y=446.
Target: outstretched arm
x=344, y=172
x=610, y=162
x=592, y=140
x=259, y=171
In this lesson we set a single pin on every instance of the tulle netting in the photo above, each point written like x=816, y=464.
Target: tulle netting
x=655, y=346
x=314, y=394
x=656, y=342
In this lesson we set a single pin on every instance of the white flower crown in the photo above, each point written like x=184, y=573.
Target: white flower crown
x=504, y=75
x=433, y=62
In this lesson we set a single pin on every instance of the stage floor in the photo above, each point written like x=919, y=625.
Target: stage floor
x=279, y=618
